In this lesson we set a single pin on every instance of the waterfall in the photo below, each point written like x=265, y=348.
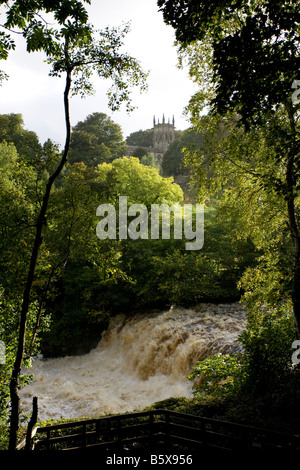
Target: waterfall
x=140, y=359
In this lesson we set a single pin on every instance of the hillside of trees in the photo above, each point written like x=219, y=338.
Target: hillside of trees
x=78, y=271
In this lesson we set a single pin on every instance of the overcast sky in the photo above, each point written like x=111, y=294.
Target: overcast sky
x=38, y=98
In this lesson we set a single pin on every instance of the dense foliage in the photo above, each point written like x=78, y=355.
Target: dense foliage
x=245, y=57
x=75, y=50
x=95, y=140
x=83, y=280
x=141, y=138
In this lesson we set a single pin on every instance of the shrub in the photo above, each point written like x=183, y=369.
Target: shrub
x=267, y=343
x=218, y=374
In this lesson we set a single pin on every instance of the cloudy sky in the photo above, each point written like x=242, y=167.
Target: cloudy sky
x=38, y=98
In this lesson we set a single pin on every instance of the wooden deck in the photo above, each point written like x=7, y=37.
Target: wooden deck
x=152, y=429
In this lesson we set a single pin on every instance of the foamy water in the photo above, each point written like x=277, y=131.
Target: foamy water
x=140, y=360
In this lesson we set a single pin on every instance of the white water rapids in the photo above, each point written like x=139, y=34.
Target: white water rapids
x=140, y=359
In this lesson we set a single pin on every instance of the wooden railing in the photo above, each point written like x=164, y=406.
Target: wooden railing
x=158, y=427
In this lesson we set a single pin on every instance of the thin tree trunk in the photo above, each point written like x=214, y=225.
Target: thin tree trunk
x=294, y=229
x=14, y=383
x=45, y=293
x=31, y=424
x=292, y=217
x=44, y=296
x=296, y=296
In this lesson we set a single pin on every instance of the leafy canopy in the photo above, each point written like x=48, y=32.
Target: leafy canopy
x=254, y=49
x=96, y=139
x=61, y=30
x=140, y=183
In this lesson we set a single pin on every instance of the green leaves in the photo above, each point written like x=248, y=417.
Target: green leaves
x=67, y=9
x=267, y=344
x=6, y=44
x=188, y=17
x=141, y=184
x=217, y=374
x=72, y=46
x=254, y=69
x=95, y=140
x=255, y=50
x=34, y=18
x=40, y=38
x=90, y=53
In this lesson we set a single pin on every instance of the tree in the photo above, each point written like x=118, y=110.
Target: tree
x=95, y=282
x=19, y=199
x=141, y=138
x=140, y=182
x=26, y=142
x=80, y=266
x=173, y=160
x=72, y=50
x=139, y=152
x=254, y=61
x=149, y=160
x=95, y=140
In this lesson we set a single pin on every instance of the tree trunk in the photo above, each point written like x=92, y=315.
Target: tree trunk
x=296, y=296
x=294, y=230
x=31, y=424
x=292, y=217
x=14, y=383
x=46, y=290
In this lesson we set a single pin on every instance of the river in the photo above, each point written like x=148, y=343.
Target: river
x=140, y=359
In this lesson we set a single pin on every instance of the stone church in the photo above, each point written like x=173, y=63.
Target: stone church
x=163, y=135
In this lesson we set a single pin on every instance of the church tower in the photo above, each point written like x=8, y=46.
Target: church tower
x=163, y=135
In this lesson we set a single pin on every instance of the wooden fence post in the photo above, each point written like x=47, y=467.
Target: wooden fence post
x=84, y=436
x=31, y=424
